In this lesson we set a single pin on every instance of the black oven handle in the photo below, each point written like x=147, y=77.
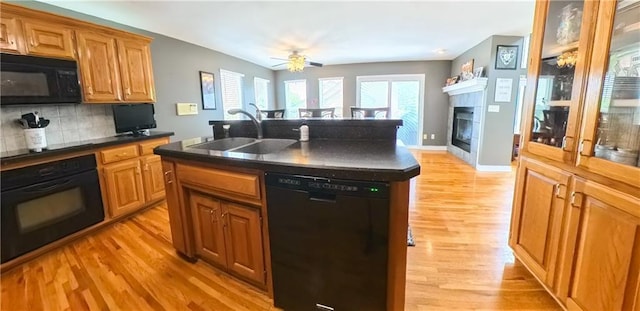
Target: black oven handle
x=47, y=186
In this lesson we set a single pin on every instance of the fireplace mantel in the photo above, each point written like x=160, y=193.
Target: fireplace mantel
x=469, y=86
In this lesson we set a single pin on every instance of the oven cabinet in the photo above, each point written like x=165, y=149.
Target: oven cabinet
x=11, y=40
x=218, y=217
x=124, y=187
x=115, y=66
x=605, y=231
x=537, y=217
x=562, y=33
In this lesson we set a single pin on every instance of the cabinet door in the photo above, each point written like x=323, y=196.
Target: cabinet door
x=136, y=71
x=9, y=34
x=98, y=67
x=124, y=186
x=607, y=255
x=244, y=242
x=560, y=43
x=536, y=223
x=208, y=228
x=611, y=134
x=50, y=40
x=153, y=178
x=177, y=216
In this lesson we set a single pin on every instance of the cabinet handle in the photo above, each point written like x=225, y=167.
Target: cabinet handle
x=166, y=177
x=32, y=42
x=138, y=170
x=11, y=42
x=564, y=143
x=90, y=90
x=557, y=186
x=128, y=91
x=582, y=147
x=146, y=167
x=576, y=199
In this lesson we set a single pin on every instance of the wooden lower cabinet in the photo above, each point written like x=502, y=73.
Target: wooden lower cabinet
x=208, y=228
x=607, y=250
x=539, y=205
x=153, y=177
x=243, y=237
x=125, y=190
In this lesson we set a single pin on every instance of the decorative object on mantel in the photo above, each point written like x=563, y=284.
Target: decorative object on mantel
x=467, y=70
x=469, y=86
x=478, y=72
x=507, y=57
x=208, y=90
x=452, y=80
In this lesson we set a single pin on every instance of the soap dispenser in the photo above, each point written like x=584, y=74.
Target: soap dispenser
x=304, y=132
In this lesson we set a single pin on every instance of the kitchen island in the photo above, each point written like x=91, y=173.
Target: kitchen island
x=219, y=202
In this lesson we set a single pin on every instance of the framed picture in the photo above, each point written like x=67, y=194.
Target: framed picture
x=507, y=57
x=208, y=90
x=477, y=73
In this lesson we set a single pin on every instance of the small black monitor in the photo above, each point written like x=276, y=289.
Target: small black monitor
x=133, y=118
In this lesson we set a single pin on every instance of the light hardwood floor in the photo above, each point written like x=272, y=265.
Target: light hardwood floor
x=460, y=222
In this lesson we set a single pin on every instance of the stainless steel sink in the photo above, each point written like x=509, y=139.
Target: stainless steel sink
x=225, y=143
x=264, y=146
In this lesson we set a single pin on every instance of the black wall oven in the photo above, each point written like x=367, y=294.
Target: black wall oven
x=38, y=80
x=43, y=203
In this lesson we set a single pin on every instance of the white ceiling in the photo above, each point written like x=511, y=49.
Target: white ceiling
x=329, y=32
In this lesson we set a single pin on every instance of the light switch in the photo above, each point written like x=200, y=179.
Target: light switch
x=493, y=108
x=184, y=109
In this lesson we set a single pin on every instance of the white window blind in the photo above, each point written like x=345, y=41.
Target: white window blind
x=331, y=94
x=295, y=96
x=261, y=89
x=231, y=93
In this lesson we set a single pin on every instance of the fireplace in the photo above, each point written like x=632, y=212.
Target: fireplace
x=462, y=128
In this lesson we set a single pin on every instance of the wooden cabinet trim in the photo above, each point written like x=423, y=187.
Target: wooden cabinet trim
x=146, y=148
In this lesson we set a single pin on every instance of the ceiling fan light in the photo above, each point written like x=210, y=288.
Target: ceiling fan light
x=296, y=63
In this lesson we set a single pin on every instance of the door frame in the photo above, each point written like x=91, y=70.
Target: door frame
x=396, y=78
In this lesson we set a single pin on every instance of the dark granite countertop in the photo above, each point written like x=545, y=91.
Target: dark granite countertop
x=15, y=156
x=374, y=160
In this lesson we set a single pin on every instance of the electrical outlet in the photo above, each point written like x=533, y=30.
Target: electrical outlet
x=424, y=136
x=433, y=136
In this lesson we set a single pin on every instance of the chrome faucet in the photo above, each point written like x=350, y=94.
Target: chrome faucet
x=258, y=111
x=255, y=121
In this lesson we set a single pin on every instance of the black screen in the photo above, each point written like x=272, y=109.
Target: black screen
x=133, y=117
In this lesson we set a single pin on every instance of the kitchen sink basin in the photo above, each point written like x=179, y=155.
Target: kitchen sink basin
x=264, y=146
x=225, y=143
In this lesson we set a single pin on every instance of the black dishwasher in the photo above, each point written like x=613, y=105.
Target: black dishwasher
x=329, y=243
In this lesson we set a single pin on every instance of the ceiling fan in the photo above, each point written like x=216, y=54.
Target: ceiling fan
x=296, y=62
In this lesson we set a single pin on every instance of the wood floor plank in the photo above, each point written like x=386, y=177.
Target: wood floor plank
x=460, y=223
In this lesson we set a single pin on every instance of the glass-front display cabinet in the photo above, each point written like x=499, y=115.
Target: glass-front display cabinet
x=560, y=41
x=611, y=130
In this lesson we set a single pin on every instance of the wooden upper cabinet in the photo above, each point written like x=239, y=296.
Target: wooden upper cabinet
x=208, y=228
x=136, y=71
x=124, y=186
x=153, y=177
x=560, y=48
x=611, y=132
x=539, y=202
x=607, y=253
x=244, y=242
x=10, y=34
x=98, y=67
x=48, y=39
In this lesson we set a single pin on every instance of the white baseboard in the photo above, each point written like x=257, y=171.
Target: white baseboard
x=493, y=168
x=429, y=148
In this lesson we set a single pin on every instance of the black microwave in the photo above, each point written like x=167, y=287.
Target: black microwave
x=38, y=80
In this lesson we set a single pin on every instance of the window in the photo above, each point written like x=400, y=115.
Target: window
x=331, y=94
x=261, y=89
x=231, y=93
x=295, y=96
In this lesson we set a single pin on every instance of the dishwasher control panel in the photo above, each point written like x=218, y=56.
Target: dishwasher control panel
x=328, y=185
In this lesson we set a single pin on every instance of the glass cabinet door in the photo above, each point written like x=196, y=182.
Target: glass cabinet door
x=560, y=76
x=611, y=136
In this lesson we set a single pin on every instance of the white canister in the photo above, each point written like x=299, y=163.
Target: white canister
x=36, y=139
x=304, y=133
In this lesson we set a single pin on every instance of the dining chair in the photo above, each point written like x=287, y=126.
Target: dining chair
x=273, y=114
x=317, y=112
x=370, y=113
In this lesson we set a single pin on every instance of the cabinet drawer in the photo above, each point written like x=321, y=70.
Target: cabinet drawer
x=246, y=185
x=147, y=147
x=118, y=154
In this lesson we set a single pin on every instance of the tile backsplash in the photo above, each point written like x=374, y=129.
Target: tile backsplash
x=69, y=123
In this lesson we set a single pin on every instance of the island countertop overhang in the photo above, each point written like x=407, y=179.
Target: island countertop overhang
x=372, y=160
